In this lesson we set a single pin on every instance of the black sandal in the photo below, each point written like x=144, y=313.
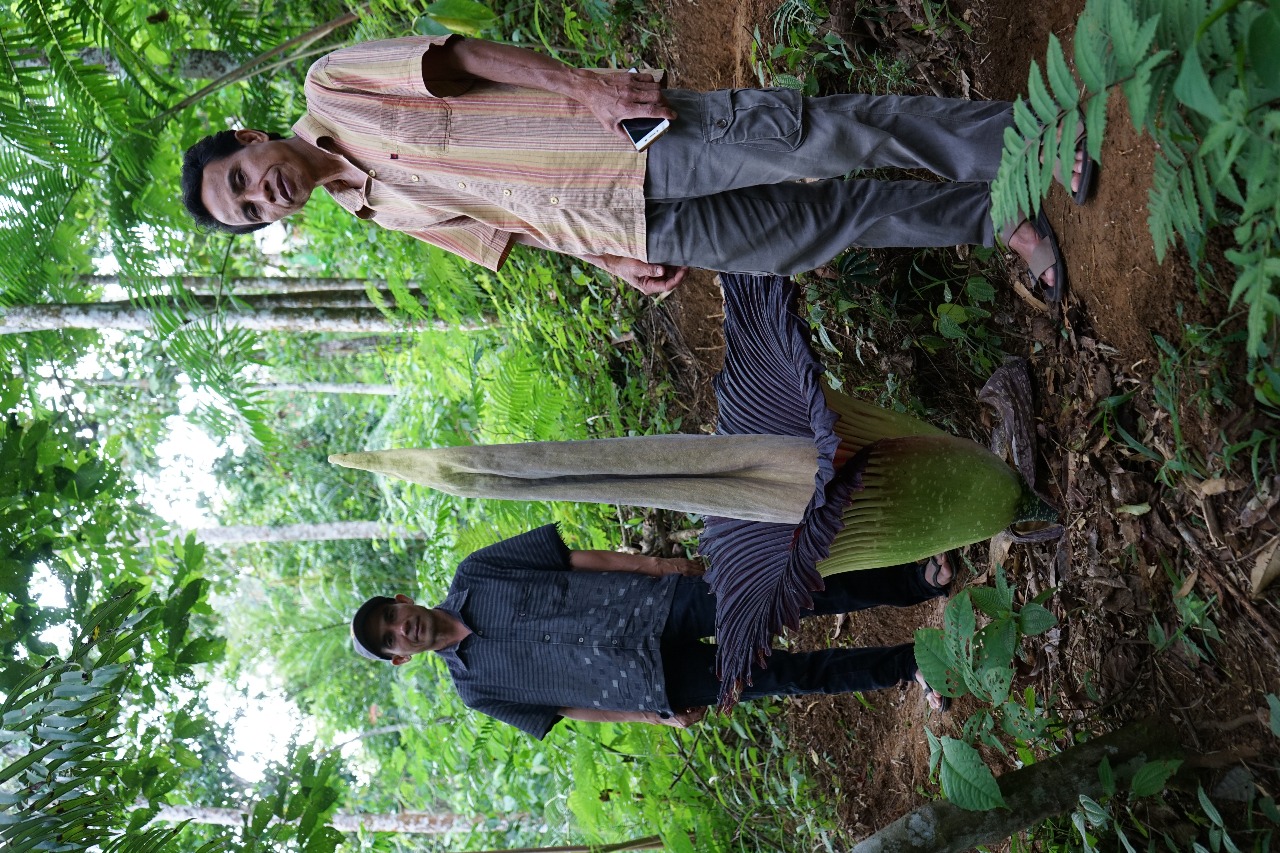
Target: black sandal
x=932, y=567
x=1081, y=193
x=1046, y=255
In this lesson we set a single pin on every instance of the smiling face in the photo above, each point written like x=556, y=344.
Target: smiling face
x=264, y=181
x=403, y=629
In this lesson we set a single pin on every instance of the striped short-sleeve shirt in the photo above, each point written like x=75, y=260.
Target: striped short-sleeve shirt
x=466, y=166
x=544, y=637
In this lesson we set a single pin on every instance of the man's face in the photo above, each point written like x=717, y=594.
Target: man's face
x=264, y=181
x=403, y=629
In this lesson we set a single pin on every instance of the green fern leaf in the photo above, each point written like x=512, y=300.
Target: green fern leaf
x=1138, y=91
x=1146, y=36
x=1095, y=122
x=1092, y=51
x=1066, y=151
x=1179, y=20
x=1060, y=78
x=1124, y=32
x=1193, y=90
x=1195, y=216
x=1159, y=212
x=1025, y=122
x=1205, y=193
x=1042, y=103
x=1045, y=158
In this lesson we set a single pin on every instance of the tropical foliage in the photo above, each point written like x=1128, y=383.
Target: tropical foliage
x=1202, y=81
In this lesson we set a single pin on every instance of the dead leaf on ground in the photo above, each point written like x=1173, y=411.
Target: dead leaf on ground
x=1267, y=567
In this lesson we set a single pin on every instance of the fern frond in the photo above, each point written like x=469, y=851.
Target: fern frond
x=1060, y=77
x=1095, y=122
x=1092, y=51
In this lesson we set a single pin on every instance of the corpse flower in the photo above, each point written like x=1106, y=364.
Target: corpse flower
x=800, y=481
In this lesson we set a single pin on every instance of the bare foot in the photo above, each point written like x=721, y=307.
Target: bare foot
x=937, y=702
x=938, y=571
x=1024, y=241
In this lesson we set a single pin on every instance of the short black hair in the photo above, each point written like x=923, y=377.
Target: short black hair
x=213, y=147
x=366, y=646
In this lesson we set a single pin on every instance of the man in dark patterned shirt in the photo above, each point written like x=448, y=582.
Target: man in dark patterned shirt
x=532, y=632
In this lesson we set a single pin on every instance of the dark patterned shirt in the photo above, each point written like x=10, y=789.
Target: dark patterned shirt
x=545, y=637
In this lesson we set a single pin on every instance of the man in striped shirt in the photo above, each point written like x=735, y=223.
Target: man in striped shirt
x=474, y=147
x=532, y=632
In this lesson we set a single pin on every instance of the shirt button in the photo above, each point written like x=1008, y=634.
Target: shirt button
x=546, y=636
x=506, y=192
x=615, y=642
x=462, y=185
x=373, y=173
x=582, y=639
x=722, y=122
x=555, y=200
x=413, y=178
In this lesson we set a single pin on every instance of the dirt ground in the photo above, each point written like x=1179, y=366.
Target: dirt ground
x=1118, y=569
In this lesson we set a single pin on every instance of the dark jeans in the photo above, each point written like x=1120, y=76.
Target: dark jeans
x=689, y=665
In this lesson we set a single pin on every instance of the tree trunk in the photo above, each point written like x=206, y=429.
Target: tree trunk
x=125, y=316
x=352, y=346
x=299, y=45
x=327, y=388
x=312, y=532
x=649, y=842
x=1033, y=794
x=209, y=285
x=419, y=823
x=370, y=388
x=188, y=64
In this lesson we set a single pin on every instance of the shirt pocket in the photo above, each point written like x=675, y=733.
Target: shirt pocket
x=418, y=125
x=768, y=119
x=544, y=599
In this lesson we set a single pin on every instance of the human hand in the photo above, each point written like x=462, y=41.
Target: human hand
x=612, y=97
x=684, y=719
x=649, y=279
x=664, y=566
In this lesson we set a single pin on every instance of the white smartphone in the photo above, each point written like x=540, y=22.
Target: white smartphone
x=643, y=132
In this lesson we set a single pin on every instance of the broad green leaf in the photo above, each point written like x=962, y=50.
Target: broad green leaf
x=1097, y=815
x=1107, y=777
x=261, y=816
x=1005, y=591
x=959, y=625
x=1192, y=88
x=425, y=25
x=1152, y=776
x=988, y=601
x=1060, y=79
x=1273, y=704
x=935, y=750
x=1035, y=619
x=939, y=668
x=965, y=779
x=1264, y=46
x=994, y=647
x=1210, y=810
x=996, y=682
x=324, y=840
x=1124, y=839
x=979, y=289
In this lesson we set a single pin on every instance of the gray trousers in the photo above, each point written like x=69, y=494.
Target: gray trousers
x=723, y=190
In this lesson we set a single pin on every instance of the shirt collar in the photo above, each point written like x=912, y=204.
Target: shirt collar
x=353, y=200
